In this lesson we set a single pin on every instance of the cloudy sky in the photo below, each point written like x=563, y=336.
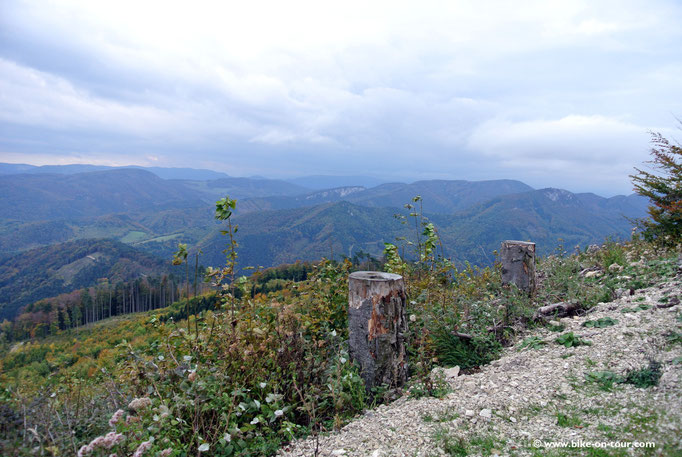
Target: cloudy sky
x=554, y=93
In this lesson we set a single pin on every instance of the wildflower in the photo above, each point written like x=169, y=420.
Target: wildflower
x=255, y=421
x=112, y=439
x=204, y=447
x=263, y=385
x=84, y=450
x=279, y=413
x=116, y=418
x=139, y=403
x=166, y=452
x=165, y=412
x=192, y=376
x=142, y=448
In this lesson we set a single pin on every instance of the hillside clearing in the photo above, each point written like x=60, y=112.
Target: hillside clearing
x=533, y=399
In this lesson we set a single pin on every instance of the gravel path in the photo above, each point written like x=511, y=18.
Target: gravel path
x=542, y=394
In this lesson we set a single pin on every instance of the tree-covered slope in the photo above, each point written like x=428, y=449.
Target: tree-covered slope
x=49, y=271
x=439, y=196
x=35, y=197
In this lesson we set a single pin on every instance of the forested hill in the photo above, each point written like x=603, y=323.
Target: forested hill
x=550, y=217
x=49, y=196
x=52, y=270
x=438, y=196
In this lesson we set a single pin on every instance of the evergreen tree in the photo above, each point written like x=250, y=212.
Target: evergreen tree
x=664, y=190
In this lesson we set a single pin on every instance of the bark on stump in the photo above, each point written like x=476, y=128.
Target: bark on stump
x=518, y=264
x=377, y=327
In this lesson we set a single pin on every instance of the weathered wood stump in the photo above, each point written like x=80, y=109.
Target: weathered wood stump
x=377, y=326
x=518, y=264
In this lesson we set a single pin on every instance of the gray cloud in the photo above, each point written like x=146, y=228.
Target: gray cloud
x=552, y=93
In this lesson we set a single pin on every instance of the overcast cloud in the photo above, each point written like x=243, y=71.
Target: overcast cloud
x=554, y=93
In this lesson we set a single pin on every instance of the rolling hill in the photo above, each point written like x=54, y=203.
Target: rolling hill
x=52, y=270
x=439, y=196
x=34, y=197
x=549, y=217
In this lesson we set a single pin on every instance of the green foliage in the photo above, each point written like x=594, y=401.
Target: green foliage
x=644, y=377
x=664, y=190
x=604, y=379
x=532, y=342
x=601, y=322
x=267, y=359
x=566, y=420
x=467, y=353
x=570, y=340
x=636, y=309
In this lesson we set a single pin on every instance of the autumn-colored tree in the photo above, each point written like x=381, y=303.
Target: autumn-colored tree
x=664, y=190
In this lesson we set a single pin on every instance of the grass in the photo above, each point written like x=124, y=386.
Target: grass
x=644, y=377
x=604, y=379
x=447, y=416
x=483, y=445
x=133, y=236
x=566, y=420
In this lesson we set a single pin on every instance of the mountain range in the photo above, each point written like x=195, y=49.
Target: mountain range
x=151, y=215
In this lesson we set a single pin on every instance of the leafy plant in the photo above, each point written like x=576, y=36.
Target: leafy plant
x=570, y=340
x=636, y=309
x=644, y=377
x=532, y=342
x=605, y=379
x=601, y=322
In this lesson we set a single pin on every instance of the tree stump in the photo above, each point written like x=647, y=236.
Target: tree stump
x=377, y=327
x=518, y=264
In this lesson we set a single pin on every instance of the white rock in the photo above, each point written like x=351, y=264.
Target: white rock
x=487, y=413
x=469, y=413
x=339, y=452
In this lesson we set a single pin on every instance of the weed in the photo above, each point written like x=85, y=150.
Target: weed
x=564, y=420
x=604, y=379
x=557, y=328
x=600, y=323
x=673, y=337
x=570, y=340
x=467, y=353
x=452, y=446
x=636, y=309
x=644, y=377
x=532, y=342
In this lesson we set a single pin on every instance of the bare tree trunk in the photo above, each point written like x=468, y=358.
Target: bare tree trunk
x=377, y=327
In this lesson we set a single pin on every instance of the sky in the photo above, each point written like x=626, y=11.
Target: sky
x=552, y=93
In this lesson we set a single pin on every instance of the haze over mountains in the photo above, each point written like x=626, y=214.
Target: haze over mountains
x=279, y=221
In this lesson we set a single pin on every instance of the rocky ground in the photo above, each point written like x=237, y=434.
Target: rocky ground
x=541, y=393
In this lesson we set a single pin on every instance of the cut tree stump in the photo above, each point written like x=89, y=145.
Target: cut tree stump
x=377, y=327
x=518, y=264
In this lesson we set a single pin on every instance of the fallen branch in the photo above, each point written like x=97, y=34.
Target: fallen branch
x=561, y=309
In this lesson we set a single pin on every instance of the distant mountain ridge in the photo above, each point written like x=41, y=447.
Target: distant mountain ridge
x=161, y=172
x=33, y=197
x=549, y=217
x=438, y=196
